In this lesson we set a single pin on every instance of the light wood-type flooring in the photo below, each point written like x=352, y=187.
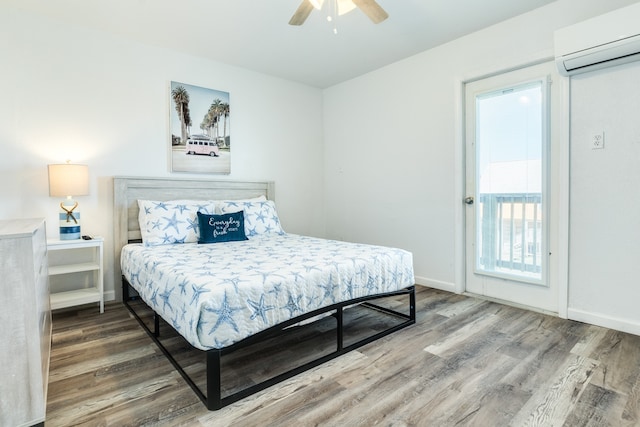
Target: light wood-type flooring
x=466, y=362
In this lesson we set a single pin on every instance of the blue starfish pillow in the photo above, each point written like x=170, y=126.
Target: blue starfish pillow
x=170, y=222
x=260, y=217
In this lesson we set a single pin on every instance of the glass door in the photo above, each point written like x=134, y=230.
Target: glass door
x=507, y=151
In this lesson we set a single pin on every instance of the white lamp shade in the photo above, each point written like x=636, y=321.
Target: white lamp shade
x=68, y=180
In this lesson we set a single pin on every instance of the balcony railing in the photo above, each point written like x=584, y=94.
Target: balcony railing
x=510, y=233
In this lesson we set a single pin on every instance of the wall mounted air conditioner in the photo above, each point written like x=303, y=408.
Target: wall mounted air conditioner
x=604, y=41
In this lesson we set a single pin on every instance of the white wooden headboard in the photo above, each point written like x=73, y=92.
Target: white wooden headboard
x=127, y=191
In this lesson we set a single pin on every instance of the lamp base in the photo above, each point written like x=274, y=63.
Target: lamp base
x=69, y=220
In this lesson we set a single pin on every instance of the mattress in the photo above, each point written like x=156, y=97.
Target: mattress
x=218, y=294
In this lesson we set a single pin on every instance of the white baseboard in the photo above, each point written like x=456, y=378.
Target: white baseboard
x=435, y=284
x=599, y=319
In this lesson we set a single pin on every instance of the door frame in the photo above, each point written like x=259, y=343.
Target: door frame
x=559, y=271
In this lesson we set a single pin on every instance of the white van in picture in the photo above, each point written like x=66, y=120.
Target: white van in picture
x=202, y=144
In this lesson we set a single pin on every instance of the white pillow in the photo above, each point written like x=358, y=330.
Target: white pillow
x=260, y=217
x=173, y=221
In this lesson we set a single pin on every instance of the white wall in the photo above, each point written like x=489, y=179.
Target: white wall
x=393, y=156
x=605, y=219
x=78, y=94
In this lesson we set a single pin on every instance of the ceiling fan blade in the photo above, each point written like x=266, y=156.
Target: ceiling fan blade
x=372, y=10
x=301, y=13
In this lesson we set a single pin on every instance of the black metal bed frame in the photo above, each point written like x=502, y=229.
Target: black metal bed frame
x=213, y=398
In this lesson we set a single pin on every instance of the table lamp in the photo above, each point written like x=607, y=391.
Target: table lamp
x=67, y=180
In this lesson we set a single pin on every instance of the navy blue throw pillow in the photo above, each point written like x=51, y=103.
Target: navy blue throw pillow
x=221, y=228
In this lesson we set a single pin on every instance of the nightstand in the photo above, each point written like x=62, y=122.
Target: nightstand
x=76, y=272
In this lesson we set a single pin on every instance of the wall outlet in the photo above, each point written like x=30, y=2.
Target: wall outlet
x=598, y=141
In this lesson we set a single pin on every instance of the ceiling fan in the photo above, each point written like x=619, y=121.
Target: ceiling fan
x=370, y=8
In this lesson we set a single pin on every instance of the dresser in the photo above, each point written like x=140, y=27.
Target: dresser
x=25, y=322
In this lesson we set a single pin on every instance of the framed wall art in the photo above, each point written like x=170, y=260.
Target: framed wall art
x=200, y=131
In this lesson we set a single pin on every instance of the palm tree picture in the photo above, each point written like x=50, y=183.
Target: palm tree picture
x=200, y=131
x=181, y=101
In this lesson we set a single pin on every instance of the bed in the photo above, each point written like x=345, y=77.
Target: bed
x=214, y=308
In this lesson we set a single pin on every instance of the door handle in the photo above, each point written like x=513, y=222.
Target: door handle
x=469, y=200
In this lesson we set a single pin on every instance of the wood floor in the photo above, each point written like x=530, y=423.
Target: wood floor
x=466, y=362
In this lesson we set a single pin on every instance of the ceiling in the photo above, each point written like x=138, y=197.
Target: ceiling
x=254, y=34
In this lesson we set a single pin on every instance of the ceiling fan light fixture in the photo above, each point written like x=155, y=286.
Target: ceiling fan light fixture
x=345, y=6
x=339, y=7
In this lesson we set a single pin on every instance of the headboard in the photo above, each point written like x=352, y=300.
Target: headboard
x=127, y=191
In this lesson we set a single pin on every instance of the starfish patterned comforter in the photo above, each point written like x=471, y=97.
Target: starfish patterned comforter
x=218, y=294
